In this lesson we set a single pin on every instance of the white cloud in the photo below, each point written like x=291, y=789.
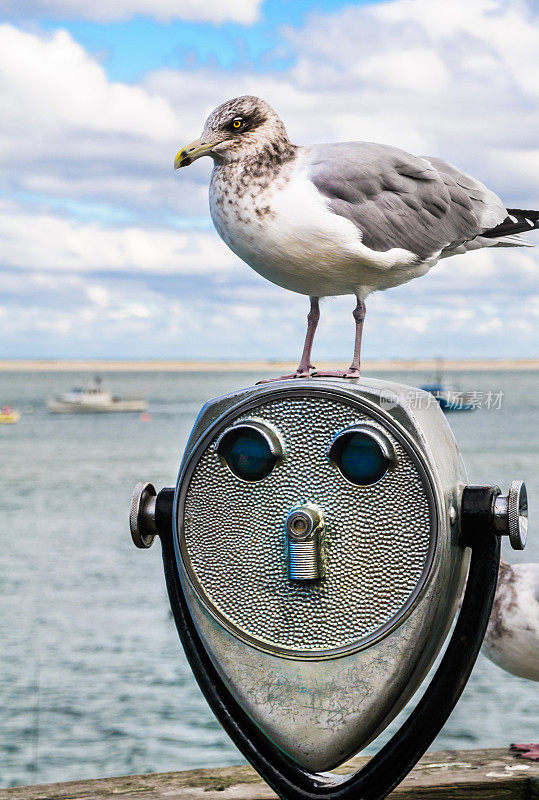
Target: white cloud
x=98, y=295
x=69, y=131
x=72, y=314
x=451, y=78
x=89, y=163
x=245, y=12
x=419, y=67
x=57, y=83
x=57, y=244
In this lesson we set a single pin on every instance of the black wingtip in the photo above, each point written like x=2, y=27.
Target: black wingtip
x=518, y=220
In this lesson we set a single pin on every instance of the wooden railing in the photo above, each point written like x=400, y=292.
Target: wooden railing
x=447, y=775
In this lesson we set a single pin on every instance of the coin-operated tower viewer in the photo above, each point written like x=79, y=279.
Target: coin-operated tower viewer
x=316, y=546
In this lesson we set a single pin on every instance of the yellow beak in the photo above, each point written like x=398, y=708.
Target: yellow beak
x=191, y=152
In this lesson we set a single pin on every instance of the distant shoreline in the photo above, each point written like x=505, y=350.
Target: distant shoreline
x=380, y=365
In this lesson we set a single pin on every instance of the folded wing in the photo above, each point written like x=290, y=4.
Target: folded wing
x=395, y=199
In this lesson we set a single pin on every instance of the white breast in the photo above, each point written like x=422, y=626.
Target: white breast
x=289, y=235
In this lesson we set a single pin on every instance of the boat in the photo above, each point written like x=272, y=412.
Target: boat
x=451, y=399
x=93, y=398
x=9, y=415
x=448, y=397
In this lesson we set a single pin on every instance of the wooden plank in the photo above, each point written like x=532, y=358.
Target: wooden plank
x=452, y=775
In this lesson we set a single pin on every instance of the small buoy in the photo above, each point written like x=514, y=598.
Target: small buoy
x=145, y=417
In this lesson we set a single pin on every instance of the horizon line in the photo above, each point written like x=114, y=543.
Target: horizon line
x=254, y=365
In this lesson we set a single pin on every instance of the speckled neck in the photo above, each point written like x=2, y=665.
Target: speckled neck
x=257, y=168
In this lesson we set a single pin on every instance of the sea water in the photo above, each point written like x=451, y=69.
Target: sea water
x=93, y=681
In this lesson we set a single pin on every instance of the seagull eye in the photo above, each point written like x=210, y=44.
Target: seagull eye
x=237, y=123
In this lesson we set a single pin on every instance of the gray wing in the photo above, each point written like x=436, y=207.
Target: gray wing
x=399, y=200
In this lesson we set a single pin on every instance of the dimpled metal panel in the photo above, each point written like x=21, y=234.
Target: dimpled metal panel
x=375, y=548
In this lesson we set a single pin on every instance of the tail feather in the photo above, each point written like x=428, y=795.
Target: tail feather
x=517, y=221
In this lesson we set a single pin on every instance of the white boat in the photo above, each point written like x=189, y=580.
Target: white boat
x=92, y=398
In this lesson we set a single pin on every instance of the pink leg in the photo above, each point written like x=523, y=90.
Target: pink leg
x=305, y=366
x=530, y=751
x=313, y=316
x=354, y=370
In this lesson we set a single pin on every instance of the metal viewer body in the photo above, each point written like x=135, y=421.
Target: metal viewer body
x=309, y=607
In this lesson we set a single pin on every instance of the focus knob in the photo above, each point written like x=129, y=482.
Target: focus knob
x=511, y=515
x=151, y=514
x=142, y=515
x=485, y=510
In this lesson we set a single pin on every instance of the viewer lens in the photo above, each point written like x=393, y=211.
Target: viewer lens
x=247, y=453
x=360, y=458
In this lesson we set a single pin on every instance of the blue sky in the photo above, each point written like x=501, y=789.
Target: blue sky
x=130, y=49
x=104, y=251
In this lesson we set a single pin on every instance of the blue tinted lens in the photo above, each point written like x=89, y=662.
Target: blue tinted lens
x=360, y=459
x=248, y=454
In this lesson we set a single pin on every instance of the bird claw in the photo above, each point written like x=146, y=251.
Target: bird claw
x=345, y=373
x=296, y=374
x=351, y=372
x=530, y=751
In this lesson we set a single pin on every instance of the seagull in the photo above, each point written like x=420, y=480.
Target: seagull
x=342, y=218
x=512, y=637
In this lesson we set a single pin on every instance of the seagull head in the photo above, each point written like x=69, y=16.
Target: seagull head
x=238, y=129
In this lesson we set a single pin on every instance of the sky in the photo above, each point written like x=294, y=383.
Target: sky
x=105, y=252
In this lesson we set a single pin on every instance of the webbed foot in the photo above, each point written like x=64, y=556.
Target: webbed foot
x=530, y=751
